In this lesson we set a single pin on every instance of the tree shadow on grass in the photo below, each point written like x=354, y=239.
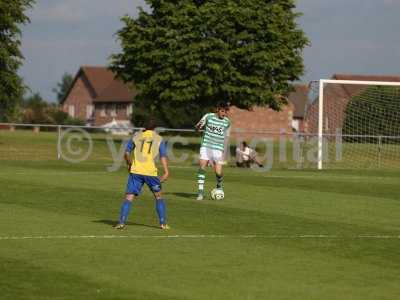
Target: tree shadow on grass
x=113, y=222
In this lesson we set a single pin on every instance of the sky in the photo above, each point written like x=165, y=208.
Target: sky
x=347, y=36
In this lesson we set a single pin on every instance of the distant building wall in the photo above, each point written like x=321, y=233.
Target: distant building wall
x=106, y=112
x=79, y=100
x=260, y=119
x=336, y=100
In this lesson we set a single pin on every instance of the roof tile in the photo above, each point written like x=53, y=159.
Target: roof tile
x=106, y=86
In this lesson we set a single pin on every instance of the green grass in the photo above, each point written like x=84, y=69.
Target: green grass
x=211, y=255
x=24, y=145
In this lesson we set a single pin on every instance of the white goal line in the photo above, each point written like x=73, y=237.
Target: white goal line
x=203, y=236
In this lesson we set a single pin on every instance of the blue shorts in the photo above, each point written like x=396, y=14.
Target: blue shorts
x=136, y=182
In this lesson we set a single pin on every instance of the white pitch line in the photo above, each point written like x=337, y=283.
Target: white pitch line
x=201, y=236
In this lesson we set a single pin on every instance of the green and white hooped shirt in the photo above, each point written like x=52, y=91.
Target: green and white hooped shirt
x=215, y=131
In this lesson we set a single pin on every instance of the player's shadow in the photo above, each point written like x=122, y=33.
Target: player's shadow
x=183, y=195
x=113, y=222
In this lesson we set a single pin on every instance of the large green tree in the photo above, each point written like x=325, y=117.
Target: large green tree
x=12, y=16
x=189, y=54
x=63, y=86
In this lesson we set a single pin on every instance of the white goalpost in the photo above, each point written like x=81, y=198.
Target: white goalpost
x=363, y=114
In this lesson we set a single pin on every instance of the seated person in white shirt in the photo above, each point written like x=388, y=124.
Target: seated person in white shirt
x=245, y=156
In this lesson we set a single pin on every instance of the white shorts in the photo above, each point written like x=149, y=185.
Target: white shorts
x=214, y=155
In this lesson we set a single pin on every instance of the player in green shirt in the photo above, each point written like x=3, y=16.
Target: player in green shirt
x=213, y=144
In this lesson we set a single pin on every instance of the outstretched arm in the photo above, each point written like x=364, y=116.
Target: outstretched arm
x=201, y=123
x=128, y=150
x=128, y=160
x=164, y=162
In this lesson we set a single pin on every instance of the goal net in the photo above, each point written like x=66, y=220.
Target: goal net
x=356, y=123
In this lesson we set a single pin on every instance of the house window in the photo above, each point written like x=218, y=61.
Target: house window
x=71, y=111
x=102, y=110
x=296, y=125
x=89, y=111
x=120, y=108
x=113, y=110
x=129, y=110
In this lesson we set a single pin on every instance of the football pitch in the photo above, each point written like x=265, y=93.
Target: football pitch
x=284, y=234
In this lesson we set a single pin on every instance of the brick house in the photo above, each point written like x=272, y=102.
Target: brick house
x=264, y=121
x=97, y=98
x=336, y=98
x=299, y=99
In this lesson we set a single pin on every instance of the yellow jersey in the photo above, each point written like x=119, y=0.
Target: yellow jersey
x=144, y=148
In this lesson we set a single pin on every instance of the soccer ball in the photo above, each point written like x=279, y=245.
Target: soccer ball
x=217, y=194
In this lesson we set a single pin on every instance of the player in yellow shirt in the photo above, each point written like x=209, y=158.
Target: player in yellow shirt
x=140, y=154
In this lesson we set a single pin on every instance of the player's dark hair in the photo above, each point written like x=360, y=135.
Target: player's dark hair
x=222, y=105
x=244, y=144
x=150, y=124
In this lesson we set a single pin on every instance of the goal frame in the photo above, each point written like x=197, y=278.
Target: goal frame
x=322, y=82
